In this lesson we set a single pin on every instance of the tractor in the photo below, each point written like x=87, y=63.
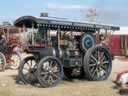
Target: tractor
x=63, y=47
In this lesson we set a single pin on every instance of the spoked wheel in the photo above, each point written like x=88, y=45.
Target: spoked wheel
x=27, y=70
x=97, y=63
x=15, y=61
x=2, y=62
x=49, y=72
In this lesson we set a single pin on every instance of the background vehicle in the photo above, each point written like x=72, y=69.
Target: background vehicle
x=63, y=46
x=118, y=42
x=119, y=45
x=9, y=47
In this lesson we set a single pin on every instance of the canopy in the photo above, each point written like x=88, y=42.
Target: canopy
x=29, y=21
x=10, y=29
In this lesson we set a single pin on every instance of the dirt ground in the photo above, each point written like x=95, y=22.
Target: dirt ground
x=8, y=87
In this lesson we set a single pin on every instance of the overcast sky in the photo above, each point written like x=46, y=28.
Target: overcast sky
x=108, y=11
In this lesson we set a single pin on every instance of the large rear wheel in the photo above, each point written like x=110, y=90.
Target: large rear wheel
x=97, y=63
x=49, y=72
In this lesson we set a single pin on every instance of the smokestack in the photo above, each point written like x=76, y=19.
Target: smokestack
x=43, y=14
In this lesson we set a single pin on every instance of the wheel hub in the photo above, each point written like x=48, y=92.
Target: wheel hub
x=50, y=71
x=32, y=70
x=99, y=64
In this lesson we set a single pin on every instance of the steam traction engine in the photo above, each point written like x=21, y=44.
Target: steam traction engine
x=59, y=46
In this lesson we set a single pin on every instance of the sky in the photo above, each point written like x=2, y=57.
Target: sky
x=107, y=11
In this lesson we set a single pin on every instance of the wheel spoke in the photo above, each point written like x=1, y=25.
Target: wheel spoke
x=31, y=63
x=55, y=69
x=102, y=57
x=45, y=66
x=98, y=73
x=98, y=55
x=92, y=64
x=92, y=69
x=103, y=69
x=55, y=75
x=25, y=68
x=44, y=77
x=43, y=73
x=28, y=64
x=92, y=61
x=50, y=79
x=104, y=62
x=94, y=72
x=94, y=58
x=51, y=64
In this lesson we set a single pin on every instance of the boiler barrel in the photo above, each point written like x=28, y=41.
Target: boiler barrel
x=44, y=51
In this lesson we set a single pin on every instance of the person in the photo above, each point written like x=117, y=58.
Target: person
x=2, y=38
x=2, y=42
x=121, y=82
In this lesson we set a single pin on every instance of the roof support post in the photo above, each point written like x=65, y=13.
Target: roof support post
x=58, y=35
x=24, y=34
x=98, y=41
x=48, y=37
x=4, y=32
x=32, y=33
x=8, y=34
x=20, y=30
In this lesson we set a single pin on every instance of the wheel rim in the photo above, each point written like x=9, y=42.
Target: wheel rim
x=28, y=70
x=2, y=62
x=50, y=72
x=99, y=64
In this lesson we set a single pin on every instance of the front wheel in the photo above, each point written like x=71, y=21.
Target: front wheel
x=49, y=72
x=97, y=63
x=27, y=70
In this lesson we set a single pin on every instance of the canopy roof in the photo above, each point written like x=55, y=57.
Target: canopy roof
x=9, y=28
x=27, y=21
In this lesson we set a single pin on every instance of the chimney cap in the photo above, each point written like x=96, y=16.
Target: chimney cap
x=44, y=14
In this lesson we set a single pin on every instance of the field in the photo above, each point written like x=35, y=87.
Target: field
x=8, y=87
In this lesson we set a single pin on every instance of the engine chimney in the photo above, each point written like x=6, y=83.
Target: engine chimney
x=43, y=14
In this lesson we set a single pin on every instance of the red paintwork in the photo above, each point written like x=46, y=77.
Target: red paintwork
x=115, y=45
x=119, y=45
